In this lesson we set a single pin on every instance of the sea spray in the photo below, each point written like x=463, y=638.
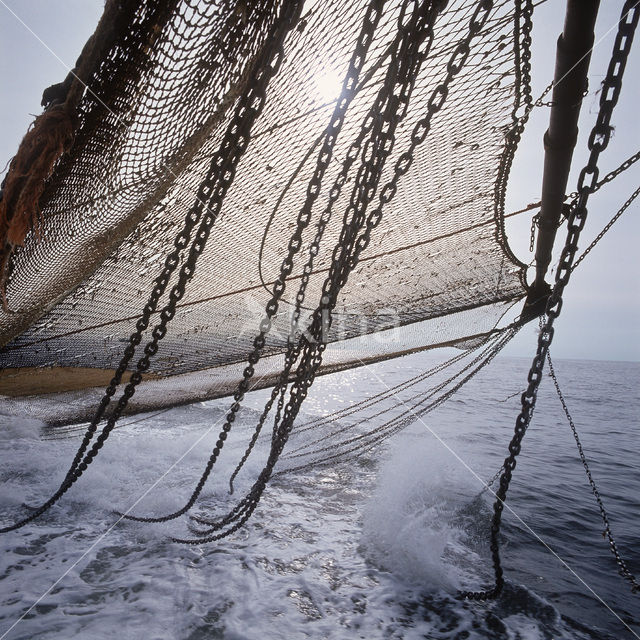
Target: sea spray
x=303, y=567
x=419, y=522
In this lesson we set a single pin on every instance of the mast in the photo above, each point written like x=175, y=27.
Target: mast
x=573, y=55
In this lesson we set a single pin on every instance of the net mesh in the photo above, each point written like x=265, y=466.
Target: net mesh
x=153, y=115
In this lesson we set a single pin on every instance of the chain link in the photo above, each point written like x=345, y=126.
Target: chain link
x=612, y=175
x=495, y=476
x=416, y=36
x=550, y=103
x=624, y=571
x=532, y=239
x=598, y=141
x=539, y=102
x=209, y=199
x=386, y=394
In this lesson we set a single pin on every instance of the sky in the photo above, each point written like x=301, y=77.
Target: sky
x=600, y=320
x=600, y=317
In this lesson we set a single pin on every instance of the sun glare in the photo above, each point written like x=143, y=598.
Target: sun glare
x=328, y=84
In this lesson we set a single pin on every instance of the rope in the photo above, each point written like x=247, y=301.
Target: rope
x=64, y=433
x=415, y=408
x=386, y=393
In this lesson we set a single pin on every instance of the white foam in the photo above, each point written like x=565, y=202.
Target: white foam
x=412, y=525
x=302, y=567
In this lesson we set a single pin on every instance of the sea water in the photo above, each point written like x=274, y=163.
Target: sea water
x=375, y=547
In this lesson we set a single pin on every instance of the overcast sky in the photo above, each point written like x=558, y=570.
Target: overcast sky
x=601, y=315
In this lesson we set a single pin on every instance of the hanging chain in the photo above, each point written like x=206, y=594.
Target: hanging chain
x=495, y=476
x=611, y=175
x=522, y=60
x=347, y=251
x=550, y=103
x=606, y=228
x=372, y=127
x=365, y=38
x=398, y=85
x=293, y=349
x=624, y=571
x=522, y=26
x=209, y=199
x=598, y=141
x=534, y=223
x=418, y=399
x=539, y=102
x=387, y=393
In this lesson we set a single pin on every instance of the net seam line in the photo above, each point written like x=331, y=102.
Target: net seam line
x=451, y=311
x=261, y=286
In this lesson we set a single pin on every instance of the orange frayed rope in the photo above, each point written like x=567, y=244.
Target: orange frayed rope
x=49, y=137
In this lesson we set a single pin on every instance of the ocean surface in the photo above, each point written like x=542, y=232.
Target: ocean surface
x=375, y=547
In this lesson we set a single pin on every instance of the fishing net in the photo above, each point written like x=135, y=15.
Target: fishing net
x=163, y=85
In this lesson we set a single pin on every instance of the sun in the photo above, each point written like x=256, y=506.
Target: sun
x=328, y=83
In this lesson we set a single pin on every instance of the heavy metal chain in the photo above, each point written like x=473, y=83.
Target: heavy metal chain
x=624, y=571
x=416, y=399
x=343, y=263
x=522, y=27
x=572, y=197
x=325, y=217
x=209, y=199
x=390, y=392
x=347, y=251
x=293, y=350
x=522, y=102
x=405, y=160
x=598, y=141
x=365, y=38
x=278, y=391
x=372, y=127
